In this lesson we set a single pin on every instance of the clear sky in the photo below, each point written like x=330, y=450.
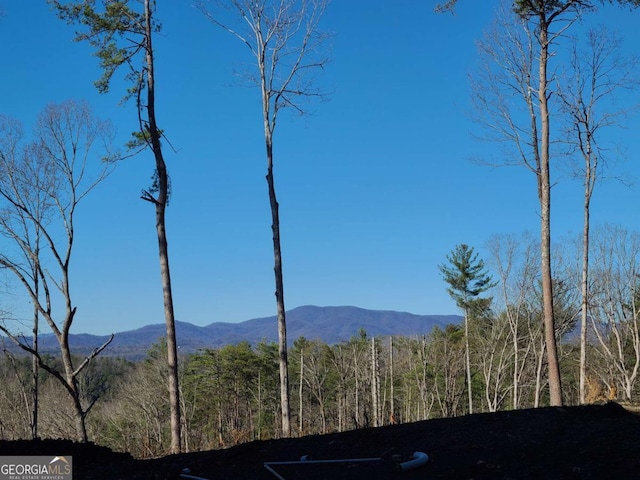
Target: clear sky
x=375, y=188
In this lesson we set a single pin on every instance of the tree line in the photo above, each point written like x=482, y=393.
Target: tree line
x=230, y=395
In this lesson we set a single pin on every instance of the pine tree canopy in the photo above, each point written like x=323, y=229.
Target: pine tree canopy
x=465, y=276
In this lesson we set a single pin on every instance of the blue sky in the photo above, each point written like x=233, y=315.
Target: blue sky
x=375, y=188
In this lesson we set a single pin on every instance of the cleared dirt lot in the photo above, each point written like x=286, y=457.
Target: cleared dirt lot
x=588, y=442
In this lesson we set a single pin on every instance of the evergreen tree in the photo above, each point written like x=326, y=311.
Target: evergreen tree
x=467, y=279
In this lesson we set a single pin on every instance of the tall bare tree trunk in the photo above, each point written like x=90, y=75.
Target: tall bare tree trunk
x=467, y=359
x=282, y=322
x=300, y=396
x=539, y=372
x=160, y=203
x=516, y=363
x=71, y=381
x=375, y=384
x=584, y=316
x=555, y=385
x=392, y=404
x=356, y=376
x=35, y=367
x=172, y=351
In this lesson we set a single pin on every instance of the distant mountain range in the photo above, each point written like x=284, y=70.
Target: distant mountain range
x=329, y=324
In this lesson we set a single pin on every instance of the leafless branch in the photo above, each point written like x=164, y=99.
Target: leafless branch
x=285, y=42
x=96, y=351
x=596, y=76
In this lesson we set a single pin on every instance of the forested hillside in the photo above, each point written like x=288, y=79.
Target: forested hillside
x=229, y=394
x=329, y=324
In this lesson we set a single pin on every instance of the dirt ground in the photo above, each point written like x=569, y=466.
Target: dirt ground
x=588, y=442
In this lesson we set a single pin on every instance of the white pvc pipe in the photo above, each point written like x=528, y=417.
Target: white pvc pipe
x=276, y=474
x=305, y=460
x=417, y=460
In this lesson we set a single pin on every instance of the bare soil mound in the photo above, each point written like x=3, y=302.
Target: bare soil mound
x=587, y=442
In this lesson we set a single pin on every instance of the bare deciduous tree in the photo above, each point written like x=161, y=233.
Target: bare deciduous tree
x=494, y=357
x=514, y=261
x=287, y=49
x=446, y=356
x=316, y=375
x=615, y=306
x=597, y=74
x=343, y=366
x=41, y=185
x=39, y=204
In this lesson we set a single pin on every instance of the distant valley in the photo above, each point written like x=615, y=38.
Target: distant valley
x=329, y=324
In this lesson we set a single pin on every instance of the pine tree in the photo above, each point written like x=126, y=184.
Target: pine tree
x=467, y=279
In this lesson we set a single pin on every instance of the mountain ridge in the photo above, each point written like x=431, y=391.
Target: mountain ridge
x=330, y=324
